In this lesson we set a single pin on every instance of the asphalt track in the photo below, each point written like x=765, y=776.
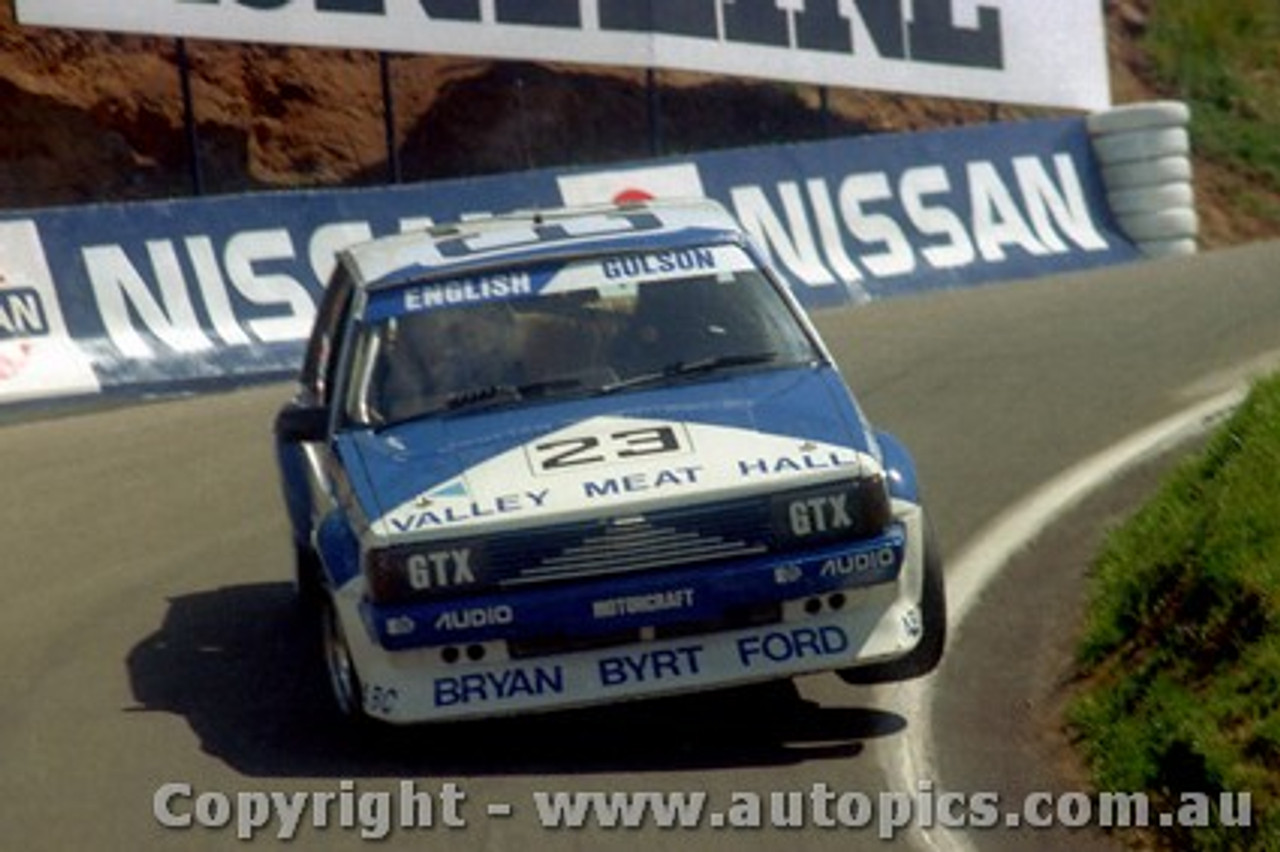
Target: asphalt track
x=147, y=634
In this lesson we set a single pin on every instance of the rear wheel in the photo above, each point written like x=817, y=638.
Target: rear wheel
x=926, y=655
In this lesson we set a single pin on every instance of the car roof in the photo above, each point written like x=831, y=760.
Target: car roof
x=525, y=237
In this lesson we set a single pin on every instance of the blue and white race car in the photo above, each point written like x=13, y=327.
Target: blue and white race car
x=586, y=455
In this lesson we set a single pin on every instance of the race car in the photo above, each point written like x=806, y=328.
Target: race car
x=574, y=456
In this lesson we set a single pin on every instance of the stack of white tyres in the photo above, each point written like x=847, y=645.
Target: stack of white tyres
x=1145, y=154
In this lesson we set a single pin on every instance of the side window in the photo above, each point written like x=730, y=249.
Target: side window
x=321, y=357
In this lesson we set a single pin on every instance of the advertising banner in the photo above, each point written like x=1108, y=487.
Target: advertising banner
x=165, y=295
x=1042, y=52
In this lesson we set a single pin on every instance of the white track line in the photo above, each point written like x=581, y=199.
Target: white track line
x=985, y=556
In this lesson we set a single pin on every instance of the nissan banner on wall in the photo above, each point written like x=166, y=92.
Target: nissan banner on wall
x=182, y=294
x=1043, y=52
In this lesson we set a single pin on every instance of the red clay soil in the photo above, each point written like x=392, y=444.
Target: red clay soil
x=87, y=117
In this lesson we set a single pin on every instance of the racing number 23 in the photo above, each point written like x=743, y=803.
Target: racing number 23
x=580, y=451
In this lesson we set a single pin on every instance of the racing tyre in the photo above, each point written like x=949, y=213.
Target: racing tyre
x=1151, y=199
x=344, y=682
x=1140, y=117
x=1147, y=173
x=1140, y=145
x=1175, y=224
x=925, y=657
x=1155, y=249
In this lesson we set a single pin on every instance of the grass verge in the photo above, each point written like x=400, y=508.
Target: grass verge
x=1223, y=57
x=1180, y=658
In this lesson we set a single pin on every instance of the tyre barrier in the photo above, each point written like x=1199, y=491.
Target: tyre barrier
x=1144, y=151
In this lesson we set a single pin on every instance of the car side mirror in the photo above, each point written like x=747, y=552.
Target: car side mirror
x=302, y=424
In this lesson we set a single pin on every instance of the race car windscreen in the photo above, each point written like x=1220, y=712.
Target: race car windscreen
x=597, y=326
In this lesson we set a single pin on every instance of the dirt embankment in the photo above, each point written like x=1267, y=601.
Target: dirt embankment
x=95, y=117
